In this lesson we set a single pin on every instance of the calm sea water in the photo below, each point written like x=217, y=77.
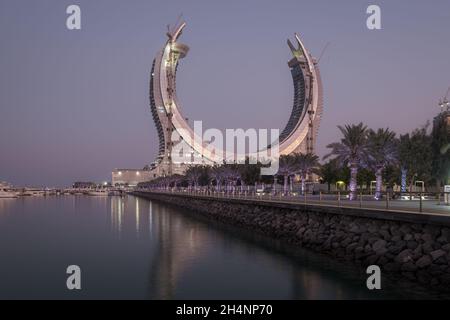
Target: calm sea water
x=131, y=248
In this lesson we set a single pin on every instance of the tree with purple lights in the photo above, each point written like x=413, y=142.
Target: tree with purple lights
x=193, y=175
x=218, y=175
x=406, y=159
x=231, y=176
x=383, y=152
x=351, y=151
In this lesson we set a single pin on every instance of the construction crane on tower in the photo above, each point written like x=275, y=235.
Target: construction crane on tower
x=444, y=104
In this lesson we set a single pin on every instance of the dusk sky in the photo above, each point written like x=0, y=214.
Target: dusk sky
x=74, y=104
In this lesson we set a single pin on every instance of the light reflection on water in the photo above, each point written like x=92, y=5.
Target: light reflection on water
x=133, y=248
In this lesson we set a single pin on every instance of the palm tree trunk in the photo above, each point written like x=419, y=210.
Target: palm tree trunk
x=303, y=184
x=379, y=179
x=285, y=184
x=353, y=181
x=274, y=188
x=403, y=183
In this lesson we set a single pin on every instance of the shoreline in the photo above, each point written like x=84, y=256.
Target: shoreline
x=406, y=246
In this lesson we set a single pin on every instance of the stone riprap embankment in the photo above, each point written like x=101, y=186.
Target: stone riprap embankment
x=412, y=246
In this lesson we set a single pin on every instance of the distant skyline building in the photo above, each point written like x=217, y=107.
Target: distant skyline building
x=299, y=134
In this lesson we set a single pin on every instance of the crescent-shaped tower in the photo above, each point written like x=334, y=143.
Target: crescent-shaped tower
x=299, y=134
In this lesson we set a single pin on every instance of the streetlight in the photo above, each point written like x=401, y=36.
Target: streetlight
x=340, y=184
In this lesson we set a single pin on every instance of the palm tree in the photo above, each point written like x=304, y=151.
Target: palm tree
x=232, y=175
x=287, y=167
x=193, y=174
x=306, y=164
x=351, y=151
x=217, y=174
x=176, y=180
x=382, y=153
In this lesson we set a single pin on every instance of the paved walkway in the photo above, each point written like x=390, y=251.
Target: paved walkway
x=413, y=206
x=428, y=206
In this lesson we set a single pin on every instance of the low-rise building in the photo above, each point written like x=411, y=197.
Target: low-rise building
x=130, y=177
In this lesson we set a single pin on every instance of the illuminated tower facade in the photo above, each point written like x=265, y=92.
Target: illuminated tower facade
x=299, y=135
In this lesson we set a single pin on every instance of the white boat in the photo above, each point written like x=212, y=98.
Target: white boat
x=98, y=193
x=7, y=194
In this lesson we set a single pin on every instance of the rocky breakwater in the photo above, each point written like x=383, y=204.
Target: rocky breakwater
x=411, y=246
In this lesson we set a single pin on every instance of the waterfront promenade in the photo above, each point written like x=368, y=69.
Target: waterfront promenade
x=435, y=206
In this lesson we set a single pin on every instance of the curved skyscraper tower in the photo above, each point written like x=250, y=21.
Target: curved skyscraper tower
x=299, y=135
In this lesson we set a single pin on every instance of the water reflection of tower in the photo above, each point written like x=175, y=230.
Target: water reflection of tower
x=311, y=285
x=137, y=216
x=5, y=204
x=179, y=243
x=117, y=210
x=119, y=206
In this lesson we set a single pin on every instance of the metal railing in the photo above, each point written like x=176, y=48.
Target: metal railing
x=388, y=201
